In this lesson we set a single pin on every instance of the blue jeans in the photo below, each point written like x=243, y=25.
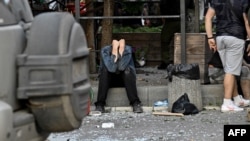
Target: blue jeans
x=119, y=74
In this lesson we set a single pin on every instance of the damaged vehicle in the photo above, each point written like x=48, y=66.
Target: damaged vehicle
x=44, y=73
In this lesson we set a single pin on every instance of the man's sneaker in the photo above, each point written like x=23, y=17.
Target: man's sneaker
x=242, y=102
x=230, y=108
x=100, y=108
x=137, y=108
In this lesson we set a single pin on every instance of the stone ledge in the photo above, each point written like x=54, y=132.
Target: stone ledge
x=148, y=109
x=212, y=95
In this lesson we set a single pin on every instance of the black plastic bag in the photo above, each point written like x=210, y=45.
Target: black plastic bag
x=246, y=57
x=183, y=105
x=215, y=60
x=188, y=71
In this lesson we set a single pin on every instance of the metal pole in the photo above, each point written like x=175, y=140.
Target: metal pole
x=128, y=17
x=197, y=17
x=183, y=31
x=77, y=10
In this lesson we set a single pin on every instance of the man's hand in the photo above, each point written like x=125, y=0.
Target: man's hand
x=212, y=44
x=115, y=48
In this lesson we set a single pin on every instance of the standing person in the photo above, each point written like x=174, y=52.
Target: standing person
x=232, y=28
x=117, y=70
x=170, y=27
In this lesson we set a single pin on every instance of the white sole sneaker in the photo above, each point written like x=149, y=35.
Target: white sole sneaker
x=242, y=103
x=230, y=108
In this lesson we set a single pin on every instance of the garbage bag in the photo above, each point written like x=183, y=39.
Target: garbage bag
x=188, y=71
x=245, y=56
x=183, y=105
x=215, y=60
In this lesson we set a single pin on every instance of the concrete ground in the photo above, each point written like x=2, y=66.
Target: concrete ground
x=208, y=125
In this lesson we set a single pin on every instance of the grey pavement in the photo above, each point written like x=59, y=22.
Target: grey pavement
x=207, y=125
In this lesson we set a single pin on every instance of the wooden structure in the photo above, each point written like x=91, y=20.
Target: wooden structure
x=248, y=114
x=197, y=51
x=167, y=114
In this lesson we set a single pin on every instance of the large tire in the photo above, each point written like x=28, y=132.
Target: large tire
x=48, y=33
x=53, y=72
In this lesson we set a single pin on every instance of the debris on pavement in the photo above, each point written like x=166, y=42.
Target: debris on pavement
x=207, y=125
x=108, y=125
x=167, y=114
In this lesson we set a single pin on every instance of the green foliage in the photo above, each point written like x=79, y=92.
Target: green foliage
x=141, y=52
x=203, y=29
x=128, y=29
x=39, y=1
x=133, y=8
x=148, y=29
x=123, y=29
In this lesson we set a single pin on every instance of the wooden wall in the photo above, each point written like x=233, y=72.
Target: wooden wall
x=197, y=51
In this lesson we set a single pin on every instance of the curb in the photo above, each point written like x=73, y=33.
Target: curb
x=212, y=95
x=146, y=109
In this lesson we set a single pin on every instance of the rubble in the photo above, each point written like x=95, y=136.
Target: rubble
x=207, y=125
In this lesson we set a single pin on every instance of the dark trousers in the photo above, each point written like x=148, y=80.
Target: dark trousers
x=125, y=79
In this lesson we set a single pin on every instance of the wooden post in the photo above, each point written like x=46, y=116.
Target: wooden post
x=107, y=24
x=248, y=114
x=179, y=86
x=91, y=38
x=167, y=114
x=197, y=17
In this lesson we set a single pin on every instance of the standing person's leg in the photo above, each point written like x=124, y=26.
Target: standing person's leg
x=229, y=85
x=239, y=100
x=239, y=88
x=229, y=91
x=229, y=78
x=230, y=50
x=129, y=79
x=167, y=34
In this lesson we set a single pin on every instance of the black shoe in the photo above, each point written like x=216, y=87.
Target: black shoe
x=100, y=108
x=137, y=108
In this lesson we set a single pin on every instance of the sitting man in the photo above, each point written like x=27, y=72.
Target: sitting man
x=117, y=70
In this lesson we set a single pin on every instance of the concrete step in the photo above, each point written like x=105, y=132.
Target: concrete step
x=147, y=109
x=212, y=95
